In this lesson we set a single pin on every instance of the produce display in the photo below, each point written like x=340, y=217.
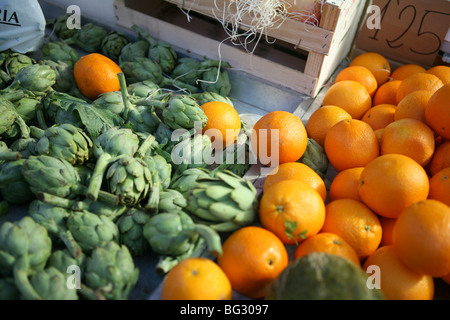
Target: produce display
x=111, y=144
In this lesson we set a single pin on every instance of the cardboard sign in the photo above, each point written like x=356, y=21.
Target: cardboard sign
x=408, y=31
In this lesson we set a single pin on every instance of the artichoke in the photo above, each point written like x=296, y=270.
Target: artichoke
x=187, y=180
x=36, y=78
x=7, y=154
x=110, y=144
x=111, y=101
x=315, y=158
x=175, y=235
x=5, y=79
x=157, y=163
x=8, y=289
x=189, y=70
x=171, y=201
x=110, y=269
x=60, y=51
x=61, y=29
x=17, y=61
x=4, y=207
x=90, y=230
x=54, y=219
x=216, y=80
x=25, y=146
x=136, y=49
x=26, y=108
x=131, y=226
x=63, y=141
x=12, y=125
x=182, y=112
x=225, y=201
x=65, y=81
x=13, y=186
x=143, y=89
x=205, y=97
x=63, y=259
x=51, y=284
x=113, y=44
x=89, y=37
x=59, y=105
x=24, y=249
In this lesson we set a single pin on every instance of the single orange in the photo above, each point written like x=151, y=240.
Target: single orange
x=196, y=278
x=387, y=93
x=404, y=71
x=441, y=158
x=359, y=74
x=437, y=112
x=376, y=63
x=351, y=137
x=398, y=281
x=418, y=81
x=322, y=120
x=413, y=105
x=421, y=237
x=442, y=72
x=350, y=96
x=329, y=243
x=387, y=225
x=354, y=222
x=345, y=184
x=440, y=186
x=410, y=137
x=391, y=183
x=279, y=136
x=379, y=116
x=252, y=259
x=296, y=171
x=292, y=210
x=96, y=74
x=224, y=123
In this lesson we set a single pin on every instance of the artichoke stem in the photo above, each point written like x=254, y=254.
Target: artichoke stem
x=153, y=200
x=145, y=145
x=73, y=247
x=24, y=130
x=62, y=202
x=22, y=282
x=97, y=176
x=37, y=132
x=40, y=117
x=10, y=156
x=124, y=92
x=212, y=238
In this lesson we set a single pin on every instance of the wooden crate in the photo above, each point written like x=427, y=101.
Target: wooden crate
x=302, y=58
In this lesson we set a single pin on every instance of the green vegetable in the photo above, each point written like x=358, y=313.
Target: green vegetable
x=65, y=81
x=187, y=180
x=13, y=186
x=26, y=108
x=8, y=289
x=17, y=61
x=36, y=78
x=25, y=146
x=144, y=89
x=61, y=29
x=60, y=51
x=315, y=158
x=322, y=276
x=171, y=201
x=189, y=70
x=4, y=207
x=113, y=44
x=133, y=50
x=89, y=37
x=205, y=97
x=12, y=125
x=216, y=80
x=51, y=284
x=131, y=226
x=183, y=112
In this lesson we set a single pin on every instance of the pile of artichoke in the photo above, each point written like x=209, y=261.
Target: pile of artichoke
x=98, y=177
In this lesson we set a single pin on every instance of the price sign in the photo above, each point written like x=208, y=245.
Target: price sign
x=408, y=31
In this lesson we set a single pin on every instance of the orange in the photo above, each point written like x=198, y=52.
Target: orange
x=354, y=222
x=440, y=186
x=387, y=225
x=418, y=81
x=96, y=74
x=442, y=72
x=329, y=243
x=409, y=137
x=283, y=129
x=391, y=183
x=376, y=63
x=421, y=237
x=322, y=120
x=359, y=74
x=446, y=278
x=379, y=134
x=387, y=93
x=379, y=116
x=397, y=281
x=345, y=184
x=224, y=123
x=437, y=112
x=351, y=137
x=441, y=158
x=413, y=105
x=404, y=71
x=296, y=171
x=196, y=278
x=252, y=259
x=350, y=96
x=292, y=210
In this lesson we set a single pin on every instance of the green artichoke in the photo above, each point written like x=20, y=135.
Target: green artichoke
x=5, y=79
x=189, y=70
x=113, y=44
x=60, y=105
x=90, y=230
x=65, y=81
x=89, y=37
x=175, y=236
x=111, y=101
x=182, y=112
x=216, y=80
x=136, y=49
x=36, y=78
x=315, y=158
x=17, y=61
x=54, y=219
x=63, y=141
x=187, y=180
x=111, y=270
x=110, y=144
x=143, y=89
x=195, y=152
x=4, y=207
x=12, y=125
x=51, y=284
x=209, y=96
x=61, y=29
x=131, y=226
x=62, y=259
x=8, y=289
x=225, y=201
x=159, y=164
x=7, y=154
x=171, y=201
x=60, y=51
x=13, y=186
x=25, y=146
x=24, y=249
x=26, y=108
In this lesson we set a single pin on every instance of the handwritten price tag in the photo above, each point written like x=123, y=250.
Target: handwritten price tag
x=408, y=31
